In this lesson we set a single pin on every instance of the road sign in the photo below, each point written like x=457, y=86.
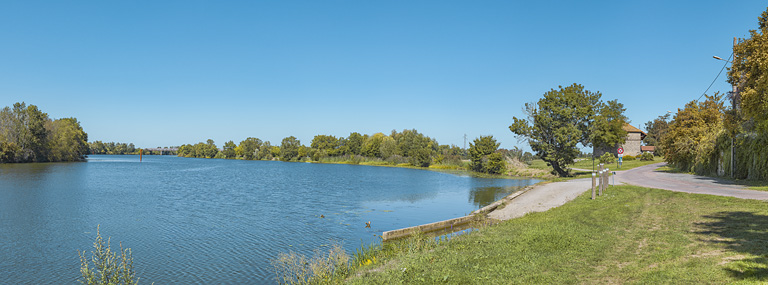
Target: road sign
x=621, y=151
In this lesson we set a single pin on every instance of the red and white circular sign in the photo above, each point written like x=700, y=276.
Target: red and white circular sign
x=620, y=151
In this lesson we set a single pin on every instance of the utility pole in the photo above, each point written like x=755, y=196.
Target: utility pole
x=465, y=143
x=734, y=93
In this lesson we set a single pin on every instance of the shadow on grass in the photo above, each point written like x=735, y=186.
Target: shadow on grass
x=742, y=232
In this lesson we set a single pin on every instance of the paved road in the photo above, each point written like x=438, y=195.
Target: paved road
x=646, y=176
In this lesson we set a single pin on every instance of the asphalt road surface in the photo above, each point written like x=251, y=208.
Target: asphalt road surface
x=647, y=176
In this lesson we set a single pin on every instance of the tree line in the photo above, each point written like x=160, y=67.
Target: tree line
x=710, y=138
x=29, y=135
x=99, y=147
x=408, y=147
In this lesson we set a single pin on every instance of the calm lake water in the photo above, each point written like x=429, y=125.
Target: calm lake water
x=213, y=221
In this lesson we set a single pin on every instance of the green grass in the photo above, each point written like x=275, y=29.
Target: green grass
x=755, y=185
x=539, y=164
x=587, y=164
x=629, y=235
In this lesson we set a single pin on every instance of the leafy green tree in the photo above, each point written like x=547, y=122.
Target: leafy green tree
x=749, y=72
x=496, y=164
x=421, y=157
x=608, y=125
x=557, y=123
x=29, y=135
x=119, y=148
x=200, y=150
x=274, y=152
x=328, y=144
x=388, y=147
x=24, y=127
x=67, y=141
x=265, y=152
x=303, y=152
x=228, y=150
x=8, y=151
x=372, y=145
x=480, y=151
x=416, y=146
x=97, y=147
x=209, y=150
x=249, y=148
x=354, y=143
x=185, y=150
x=289, y=149
x=690, y=129
x=656, y=130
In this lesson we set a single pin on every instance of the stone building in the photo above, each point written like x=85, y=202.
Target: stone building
x=631, y=146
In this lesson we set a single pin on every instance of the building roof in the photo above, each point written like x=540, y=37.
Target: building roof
x=631, y=129
x=644, y=148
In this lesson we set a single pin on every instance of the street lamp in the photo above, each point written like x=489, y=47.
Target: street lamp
x=733, y=94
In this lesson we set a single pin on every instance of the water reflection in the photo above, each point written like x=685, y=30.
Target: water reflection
x=484, y=196
x=483, y=193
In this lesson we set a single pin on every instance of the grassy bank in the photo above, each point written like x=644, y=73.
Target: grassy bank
x=631, y=234
x=362, y=160
x=587, y=165
x=626, y=165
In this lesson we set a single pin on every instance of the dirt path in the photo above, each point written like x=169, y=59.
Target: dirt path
x=647, y=176
x=542, y=197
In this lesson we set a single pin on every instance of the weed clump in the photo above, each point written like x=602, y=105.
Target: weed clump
x=107, y=267
x=294, y=268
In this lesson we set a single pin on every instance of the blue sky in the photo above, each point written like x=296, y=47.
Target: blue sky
x=160, y=73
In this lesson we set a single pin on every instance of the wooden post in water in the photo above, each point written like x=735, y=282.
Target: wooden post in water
x=141, y=152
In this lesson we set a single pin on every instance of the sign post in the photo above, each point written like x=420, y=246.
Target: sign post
x=620, y=151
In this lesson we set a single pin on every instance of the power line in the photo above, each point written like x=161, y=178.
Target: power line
x=716, y=77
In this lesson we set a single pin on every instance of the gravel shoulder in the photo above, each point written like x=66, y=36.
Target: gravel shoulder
x=542, y=197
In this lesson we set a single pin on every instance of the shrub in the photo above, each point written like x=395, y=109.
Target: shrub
x=628, y=158
x=323, y=268
x=646, y=156
x=607, y=158
x=108, y=267
x=495, y=164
